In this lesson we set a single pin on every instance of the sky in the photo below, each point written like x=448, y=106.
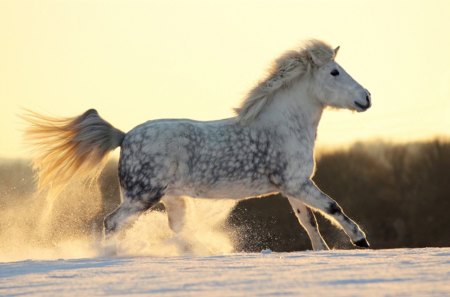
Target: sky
x=140, y=60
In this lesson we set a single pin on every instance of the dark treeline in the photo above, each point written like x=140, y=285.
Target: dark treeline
x=398, y=193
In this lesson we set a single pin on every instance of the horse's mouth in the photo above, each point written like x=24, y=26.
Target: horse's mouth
x=362, y=107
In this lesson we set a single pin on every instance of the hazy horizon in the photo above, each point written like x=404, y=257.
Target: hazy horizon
x=135, y=61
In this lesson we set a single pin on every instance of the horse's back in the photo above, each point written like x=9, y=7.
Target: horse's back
x=166, y=135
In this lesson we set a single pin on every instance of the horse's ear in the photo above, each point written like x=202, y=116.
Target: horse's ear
x=315, y=57
x=336, y=50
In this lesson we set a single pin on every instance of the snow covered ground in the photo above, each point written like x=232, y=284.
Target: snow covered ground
x=38, y=258
x=399, y=272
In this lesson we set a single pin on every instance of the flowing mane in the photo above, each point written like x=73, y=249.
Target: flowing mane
x=285, y=70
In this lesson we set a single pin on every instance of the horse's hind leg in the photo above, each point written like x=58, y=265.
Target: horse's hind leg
x=129, y=208
x=308, y=221
x=176, y=212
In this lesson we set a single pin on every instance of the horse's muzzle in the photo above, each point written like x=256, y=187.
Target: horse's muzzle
x=366, y=105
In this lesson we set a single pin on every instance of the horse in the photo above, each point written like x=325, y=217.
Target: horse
x=266, y=148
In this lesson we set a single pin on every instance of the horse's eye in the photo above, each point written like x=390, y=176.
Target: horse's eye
x=334, y=72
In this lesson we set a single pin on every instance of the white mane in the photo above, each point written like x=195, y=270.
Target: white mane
x=285, y=70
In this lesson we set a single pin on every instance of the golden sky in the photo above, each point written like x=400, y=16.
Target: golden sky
x=140, y=60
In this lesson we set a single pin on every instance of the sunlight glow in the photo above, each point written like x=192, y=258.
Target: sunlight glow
x=139, y=60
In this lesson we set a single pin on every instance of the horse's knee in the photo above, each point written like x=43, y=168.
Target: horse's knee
x=333, y=208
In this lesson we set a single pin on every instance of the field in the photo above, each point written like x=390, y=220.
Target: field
x=396, y=272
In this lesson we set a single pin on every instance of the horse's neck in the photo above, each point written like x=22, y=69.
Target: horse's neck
x=294, y=112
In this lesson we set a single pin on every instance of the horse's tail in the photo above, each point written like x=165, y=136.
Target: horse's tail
x=64, y=148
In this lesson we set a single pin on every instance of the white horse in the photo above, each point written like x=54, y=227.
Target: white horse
x=267, y=148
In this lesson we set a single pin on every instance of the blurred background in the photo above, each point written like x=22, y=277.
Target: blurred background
x=398, y=194
x=140, y=60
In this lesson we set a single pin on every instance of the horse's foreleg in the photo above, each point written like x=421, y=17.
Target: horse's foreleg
x=308, y=221
x=311, y=195
x=176, y=212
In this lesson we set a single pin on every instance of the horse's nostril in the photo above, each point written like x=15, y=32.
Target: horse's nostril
x=368, y=100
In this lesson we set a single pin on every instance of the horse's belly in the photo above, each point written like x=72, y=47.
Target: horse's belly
x=225, y=190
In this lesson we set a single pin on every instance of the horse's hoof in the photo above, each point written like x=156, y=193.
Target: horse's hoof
x=363, y=243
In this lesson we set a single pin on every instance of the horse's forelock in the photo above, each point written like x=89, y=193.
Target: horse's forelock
x=318, y=51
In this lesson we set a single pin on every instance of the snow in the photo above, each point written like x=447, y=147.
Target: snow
x=397, y=272
x=149, y=259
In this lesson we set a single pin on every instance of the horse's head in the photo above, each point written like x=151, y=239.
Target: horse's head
x=333, y=86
